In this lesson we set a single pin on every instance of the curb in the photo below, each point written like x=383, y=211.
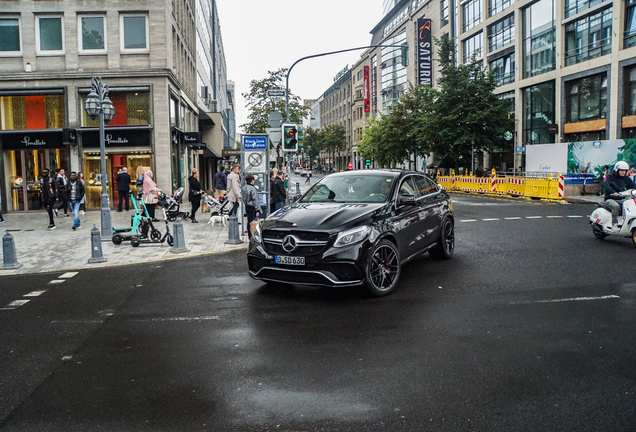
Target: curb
x=515, y=197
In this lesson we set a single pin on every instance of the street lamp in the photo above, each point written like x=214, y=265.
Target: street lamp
x=98, y=104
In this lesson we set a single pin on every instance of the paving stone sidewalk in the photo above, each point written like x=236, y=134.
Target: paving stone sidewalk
x=41, y=250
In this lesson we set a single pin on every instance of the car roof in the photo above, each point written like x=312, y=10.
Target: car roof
x=380, y=171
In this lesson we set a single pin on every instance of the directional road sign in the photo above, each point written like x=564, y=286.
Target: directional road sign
x=254, y=143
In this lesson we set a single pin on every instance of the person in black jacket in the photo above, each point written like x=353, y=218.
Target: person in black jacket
x=48, y=193
x=280, y=195
x=75, y=193
x=272, y=188
x=617, y=182
x=61, y=192
x=123, y=188
x=195, y=194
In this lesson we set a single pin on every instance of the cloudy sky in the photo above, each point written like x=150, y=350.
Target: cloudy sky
x=266, y=35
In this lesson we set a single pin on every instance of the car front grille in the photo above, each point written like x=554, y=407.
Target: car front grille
x=308, y=243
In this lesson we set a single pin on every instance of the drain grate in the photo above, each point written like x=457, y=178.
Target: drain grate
x=14, y=230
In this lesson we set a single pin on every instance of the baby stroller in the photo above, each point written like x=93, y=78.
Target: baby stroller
x=172, y=206
x=220, y=207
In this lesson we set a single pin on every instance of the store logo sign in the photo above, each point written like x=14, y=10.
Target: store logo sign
x=27, y=141
x=109, y=140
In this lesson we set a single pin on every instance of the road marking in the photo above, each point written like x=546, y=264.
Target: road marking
x=491, y=219
x=15, y=304
x=35, y=293
x=554, y=217
x=534, y=217
x=469, y=220
x=513, y=218
x=568, y=299
x=57, y=281
x=68, y=275
x=203, y=318
x=574, y=216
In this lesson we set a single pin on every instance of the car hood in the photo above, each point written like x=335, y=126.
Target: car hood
x=322, y=216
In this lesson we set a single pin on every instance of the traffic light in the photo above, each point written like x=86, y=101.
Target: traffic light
x=301, y=136
x=290, y=138
x=367, y=162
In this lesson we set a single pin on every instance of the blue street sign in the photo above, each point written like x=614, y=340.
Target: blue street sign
x=254, y=143
x=521, y=149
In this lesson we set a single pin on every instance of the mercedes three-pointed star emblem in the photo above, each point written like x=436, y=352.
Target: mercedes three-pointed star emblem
x=289, y=243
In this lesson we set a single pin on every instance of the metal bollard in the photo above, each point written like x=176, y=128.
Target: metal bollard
x=96, y=247
x=178, y=244
x=233, y=231
x=9, y=256
x=297, y=188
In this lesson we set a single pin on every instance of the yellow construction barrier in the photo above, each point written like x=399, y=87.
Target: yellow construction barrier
x=532, y=187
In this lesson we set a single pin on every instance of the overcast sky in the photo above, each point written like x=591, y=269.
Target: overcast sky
x=266, y=35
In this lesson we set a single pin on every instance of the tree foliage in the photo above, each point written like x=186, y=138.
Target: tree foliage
x=260, y=105
x=461, y=115
x=311, y=145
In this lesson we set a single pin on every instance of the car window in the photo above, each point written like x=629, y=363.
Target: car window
x=407, y=187
x=425, y=185
x=351, y=189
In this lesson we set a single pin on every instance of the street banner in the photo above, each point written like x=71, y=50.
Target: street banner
x=367, y=101
x=424, y=52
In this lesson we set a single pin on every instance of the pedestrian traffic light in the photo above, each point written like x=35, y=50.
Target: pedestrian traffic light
x=367, y=162
x=290, y=138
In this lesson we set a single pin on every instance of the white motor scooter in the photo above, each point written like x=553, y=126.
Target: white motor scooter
x=601, y=218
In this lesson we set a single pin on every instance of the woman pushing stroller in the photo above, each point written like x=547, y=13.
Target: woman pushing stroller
x=150, y=195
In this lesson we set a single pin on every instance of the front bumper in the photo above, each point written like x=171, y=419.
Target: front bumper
x=333, y=267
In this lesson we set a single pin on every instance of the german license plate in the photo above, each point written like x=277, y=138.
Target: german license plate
x=289, y=260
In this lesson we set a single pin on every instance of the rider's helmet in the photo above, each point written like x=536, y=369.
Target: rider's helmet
x=622, y=165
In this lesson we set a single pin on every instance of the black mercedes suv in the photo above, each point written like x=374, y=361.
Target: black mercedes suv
x=354, y=228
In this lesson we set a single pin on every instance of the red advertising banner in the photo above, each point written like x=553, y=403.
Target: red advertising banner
x=367, y=99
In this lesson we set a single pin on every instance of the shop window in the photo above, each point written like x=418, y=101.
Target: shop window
x=539, y=35
x=631, y=92
x=50, y=35
x=32, y=112
x=131, y=109
x=93, y=39
x=10, y=42
x=587, y=99
x=588, y=38
x=538, y=112
x=134, y=33
x=630, y=24
x=509, y=98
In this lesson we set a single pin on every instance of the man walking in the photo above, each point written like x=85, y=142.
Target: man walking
x=280, y=194
x=220, y=184
x=123, y=187
x=234, y=190
x=61, y=191
x=48, y=193
x=75, y=191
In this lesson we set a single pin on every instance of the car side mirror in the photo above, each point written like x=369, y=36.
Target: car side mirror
x=406, y=199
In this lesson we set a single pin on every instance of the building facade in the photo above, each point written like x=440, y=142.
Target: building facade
x=568, y=67
x=145, y=51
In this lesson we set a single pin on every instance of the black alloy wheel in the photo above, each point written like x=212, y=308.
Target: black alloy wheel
x=383, y=269
x=445, y=246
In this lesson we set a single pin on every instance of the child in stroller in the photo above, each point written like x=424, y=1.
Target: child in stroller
x=172, y=206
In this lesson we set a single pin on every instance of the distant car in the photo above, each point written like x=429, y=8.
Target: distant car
x=303, y=172
x=296, y=171
x=354, y=228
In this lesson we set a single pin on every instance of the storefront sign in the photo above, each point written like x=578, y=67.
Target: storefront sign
x=24, y=140
x=230, y=152
x=117, y=138
x=424, y=52
x=367, y=101
x=191, y=138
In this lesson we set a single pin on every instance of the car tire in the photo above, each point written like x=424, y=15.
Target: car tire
x=383, y=269
x=445, y=246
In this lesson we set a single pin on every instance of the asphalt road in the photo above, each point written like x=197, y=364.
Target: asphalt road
x=531, y=326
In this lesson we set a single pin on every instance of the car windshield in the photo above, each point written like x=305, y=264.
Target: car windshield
x=351, y=189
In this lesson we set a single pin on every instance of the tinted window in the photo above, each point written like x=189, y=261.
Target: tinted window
x=351, y=189
x=408, y=188
x=425, y=185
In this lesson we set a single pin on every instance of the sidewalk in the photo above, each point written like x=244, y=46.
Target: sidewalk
x=585, y=199
x=41, y=250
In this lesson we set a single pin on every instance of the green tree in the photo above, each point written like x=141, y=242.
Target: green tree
x=260, y=105
x=311, y=144
x=466, y=114
x=332, y=139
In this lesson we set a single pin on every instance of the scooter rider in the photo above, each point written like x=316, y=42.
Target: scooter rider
x=618, y=181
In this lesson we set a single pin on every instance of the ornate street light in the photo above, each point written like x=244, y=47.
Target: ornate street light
x=98, y=104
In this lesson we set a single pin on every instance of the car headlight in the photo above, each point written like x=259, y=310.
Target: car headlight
x=257, y=235
x=352, y=236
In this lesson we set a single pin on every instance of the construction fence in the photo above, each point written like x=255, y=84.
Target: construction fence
x=531, y=187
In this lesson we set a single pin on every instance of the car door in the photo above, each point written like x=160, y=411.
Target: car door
x=429, y=201
x=407, y=218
